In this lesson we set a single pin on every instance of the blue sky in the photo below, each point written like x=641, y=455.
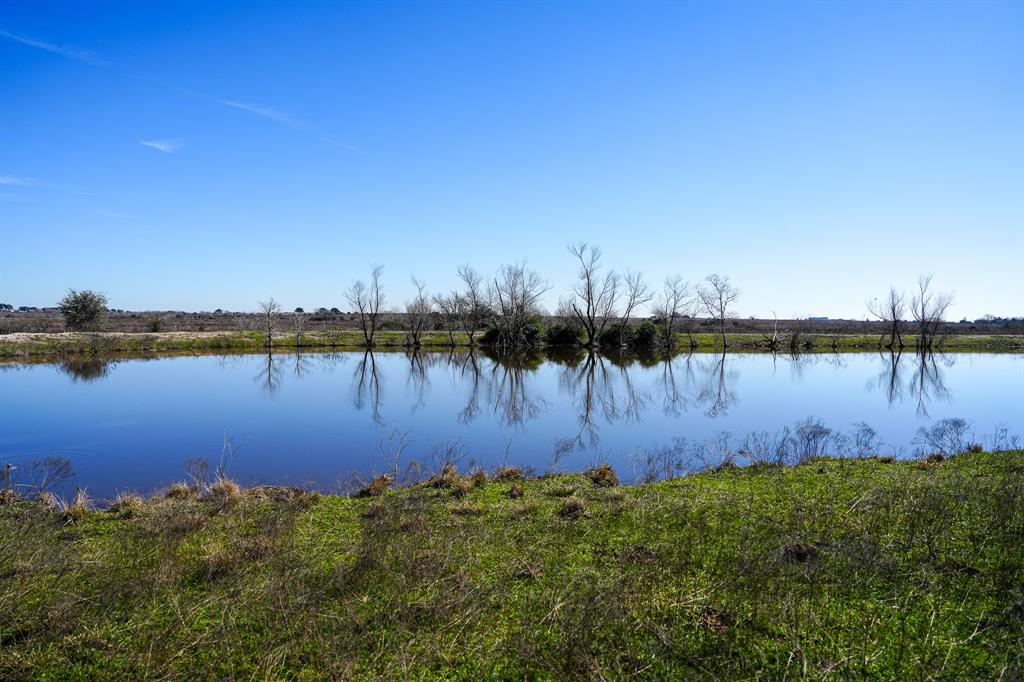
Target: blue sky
x=208, y=155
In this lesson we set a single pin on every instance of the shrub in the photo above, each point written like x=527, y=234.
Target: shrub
x=83, y=310
x=562, y=335
x=644, y=336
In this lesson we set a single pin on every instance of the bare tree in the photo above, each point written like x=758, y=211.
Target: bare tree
x=929, y=309
x=516, y=293
x=417, y=313
x=268, y=312
x=368, y=302
x=476, y=308
x=671, y=305
x=890, y=311
x=637, y=293
x=299, y=327
x=594, y=295
x=716, y=297
x=452, y=310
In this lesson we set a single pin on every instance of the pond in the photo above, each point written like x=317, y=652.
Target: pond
x=325, y=419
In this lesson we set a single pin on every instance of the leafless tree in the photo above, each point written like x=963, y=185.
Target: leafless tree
x=417, y=313
x=452, y=309
x=516, y=294
x=929, y=309
x=594, y=295
x=368, y=302
x=636, y=293
x=268, y=312
x=890, y=311
x=671, y=305
x=299, y=327
x=476, y=308
x=715, y=297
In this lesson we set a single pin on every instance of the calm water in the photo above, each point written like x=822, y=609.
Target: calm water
x=317, y=418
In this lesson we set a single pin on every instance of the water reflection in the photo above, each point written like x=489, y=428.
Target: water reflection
x=602, y=386
x=88, y=369
x=916, y=377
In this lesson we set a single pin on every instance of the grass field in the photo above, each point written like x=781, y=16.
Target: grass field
x=833, y=568
x=41, y=345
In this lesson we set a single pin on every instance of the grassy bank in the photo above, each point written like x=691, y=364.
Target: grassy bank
x=13, y=346
x=846, y=568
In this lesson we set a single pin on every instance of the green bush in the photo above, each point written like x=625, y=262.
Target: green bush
x=562, y=335
x=83, y=310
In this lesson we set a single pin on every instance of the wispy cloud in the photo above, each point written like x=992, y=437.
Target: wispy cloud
x=266, y=112
x=284, y=119
x=15, y=181
x=80, y=54
x=166, y=146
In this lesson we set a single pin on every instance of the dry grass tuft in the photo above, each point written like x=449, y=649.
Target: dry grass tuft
x=935, y=458
x=478, y=478
x=48, y=501
x=976, y=448
x=573, y=508
x=508, y=474
x=461, y=487
x=515, y=491
x=447, y=478
x=218, y=563
x=603, y=476
x=78, y=508
x=225, y=493
x=376, y=487
x=127, y=505
x=8, y=496
x=887, y=459
x=180, y=491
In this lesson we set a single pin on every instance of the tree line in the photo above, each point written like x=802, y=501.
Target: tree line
x=505, y=310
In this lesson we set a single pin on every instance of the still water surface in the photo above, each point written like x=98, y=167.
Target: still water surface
x=315, y=418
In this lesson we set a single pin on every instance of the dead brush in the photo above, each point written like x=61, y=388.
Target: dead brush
x=48, y=500
x=478, y=478
x=376, y=487
x=516, y=491
x=224, y=493
x=448, y=477
x=508, y=474
x=180, y=491
x=8, y=496
x=573, y=508
x=127, y=505
x=603, y=476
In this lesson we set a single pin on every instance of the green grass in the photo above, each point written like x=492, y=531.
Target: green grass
x=57, y=345
x=835, y=568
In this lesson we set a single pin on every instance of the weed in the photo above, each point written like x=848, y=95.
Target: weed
x=180, y=491
x=127, y=505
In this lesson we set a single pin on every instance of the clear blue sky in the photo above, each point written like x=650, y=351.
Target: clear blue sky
x=203, y=155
